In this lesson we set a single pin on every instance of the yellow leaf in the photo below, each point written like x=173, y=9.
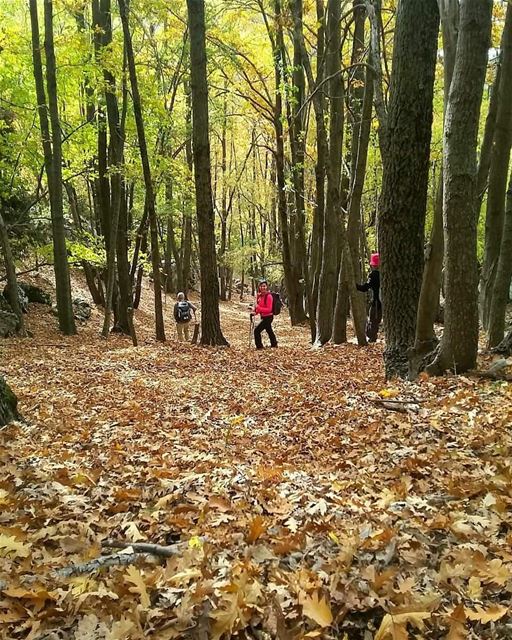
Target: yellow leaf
x=395, y=626
x=458, y=630
x=474, y=588
x=134, y=576
x=316, y=609
x=491, y=614
x=9, y=546
x=195, y=542
x=389, y=393
x=257, y=528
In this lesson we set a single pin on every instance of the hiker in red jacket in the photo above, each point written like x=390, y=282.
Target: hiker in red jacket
x=263, y=308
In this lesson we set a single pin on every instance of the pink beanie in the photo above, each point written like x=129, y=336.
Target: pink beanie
x=374, y=260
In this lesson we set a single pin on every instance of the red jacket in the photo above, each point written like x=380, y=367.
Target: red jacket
x=264, y=303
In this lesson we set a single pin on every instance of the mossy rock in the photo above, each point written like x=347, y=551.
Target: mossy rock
x=8, y=404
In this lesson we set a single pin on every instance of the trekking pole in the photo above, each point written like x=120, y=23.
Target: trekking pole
x=251, y=329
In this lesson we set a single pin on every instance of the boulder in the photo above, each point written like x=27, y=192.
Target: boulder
x=22, y=297
x=8, y=403
x=35, y=294
x=8, y=324
x=82, y=310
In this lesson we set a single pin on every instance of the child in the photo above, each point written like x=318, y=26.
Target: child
x=375, y=312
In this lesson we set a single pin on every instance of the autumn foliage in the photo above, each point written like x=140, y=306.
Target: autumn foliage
x=292, y=493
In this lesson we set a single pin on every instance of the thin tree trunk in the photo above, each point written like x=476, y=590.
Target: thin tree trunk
x=498, y=172
x=428, y=305
x=187, y=213
x=360, y=97
x=211, y=333
x=405, y=176
x=52, y=160
x=328, y=274
x=12, y=281
x=496, y=329
x=148, y=183
x=459, y=344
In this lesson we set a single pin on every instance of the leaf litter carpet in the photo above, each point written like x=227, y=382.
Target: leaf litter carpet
x=287, y=498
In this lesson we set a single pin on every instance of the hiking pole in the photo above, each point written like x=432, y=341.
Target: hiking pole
x=251, y=329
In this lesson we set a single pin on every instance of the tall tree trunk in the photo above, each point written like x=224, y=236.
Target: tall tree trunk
x=52, y=160
x=298, y=149
x=360, y=99
x=332, y=219
x=12, y=282
x=291, y=273
x=148, y=183
x=116, y=161
x=459, y=344
x=496, y=328
x=125, y=318
x=405, y=176
x=186, y=248
x=498, y=172
x=428, y=305
x=211, y=333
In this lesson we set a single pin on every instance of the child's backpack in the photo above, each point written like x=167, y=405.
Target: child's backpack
x=277, y=303
x=183, y=312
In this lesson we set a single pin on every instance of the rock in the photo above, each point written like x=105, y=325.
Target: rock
x=4, y=305
x=35, y=294
x=8, y=403
x=81, y=309
x=8, y=324
x=22, y=297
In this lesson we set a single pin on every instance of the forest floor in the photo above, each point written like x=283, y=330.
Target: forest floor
x=294, y=501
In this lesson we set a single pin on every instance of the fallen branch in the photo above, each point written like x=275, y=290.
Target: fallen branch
x=118, y=559
x=144, y=547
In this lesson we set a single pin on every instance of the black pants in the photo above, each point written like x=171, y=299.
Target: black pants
x=265, y=325
x=373, y=321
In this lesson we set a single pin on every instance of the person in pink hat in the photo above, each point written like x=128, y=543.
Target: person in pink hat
x=375, y=311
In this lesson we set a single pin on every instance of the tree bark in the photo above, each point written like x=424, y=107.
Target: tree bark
x=148, y=183
x=211, y=332
x=428, y=305
x=332, y=219
x=12, y=281
x=52, y=147
x=496, y=328
x=459, y=344
x=498, y=172
x=360, y=100
x=405, y=176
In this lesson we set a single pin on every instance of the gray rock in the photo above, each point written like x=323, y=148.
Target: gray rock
x=22, y=297
x=82, y=310
x=35, y=294
x=8, y=324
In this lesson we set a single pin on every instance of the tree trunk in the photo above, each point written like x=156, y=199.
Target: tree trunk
x=361, y=96
x=498, y=172
x=291, y=277
x=211, y=333
x=125, y=317
x=428, y=305
x=52, y=147
x=12, y=281
x=459, y=344
x=328, y=274
x=186, y=248
x=148, y=183
x=405, y=176
x=496, y=329
x=115, y=167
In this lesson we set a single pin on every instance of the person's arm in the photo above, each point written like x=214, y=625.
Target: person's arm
x=176, y=312
x=364, y=287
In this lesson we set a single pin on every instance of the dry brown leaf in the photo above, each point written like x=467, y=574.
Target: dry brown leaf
x=318, y=609
x=134, y=576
